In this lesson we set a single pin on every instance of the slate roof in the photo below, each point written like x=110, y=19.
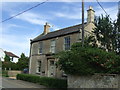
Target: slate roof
x=10, y=54
x=58, y=33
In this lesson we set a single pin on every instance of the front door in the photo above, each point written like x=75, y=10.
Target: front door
x=51, y=68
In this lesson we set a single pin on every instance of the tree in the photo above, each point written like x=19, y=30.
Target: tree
x=118, y=34
x=6, y=63
x=107, y=34
x=7, y=58
x=104, y=32
x=23, y=62
x=88, y=60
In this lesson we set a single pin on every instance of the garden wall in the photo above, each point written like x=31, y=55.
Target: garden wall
x=13, y=73
x=94, y=81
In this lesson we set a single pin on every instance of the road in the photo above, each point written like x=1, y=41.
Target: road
x=12, y=83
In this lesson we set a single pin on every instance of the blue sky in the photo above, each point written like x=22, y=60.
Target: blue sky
x=17, y=32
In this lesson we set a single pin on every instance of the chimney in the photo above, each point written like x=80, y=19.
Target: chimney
x=90, y=15
x=46, y=28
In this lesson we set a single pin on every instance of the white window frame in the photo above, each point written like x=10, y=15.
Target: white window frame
x=52, y=46
x=67, y=42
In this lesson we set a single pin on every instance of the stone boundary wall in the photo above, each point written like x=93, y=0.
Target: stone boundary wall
x=13, y=73
x=94, y=81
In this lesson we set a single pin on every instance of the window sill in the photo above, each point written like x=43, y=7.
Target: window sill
x=40, y=53
x=38, y=73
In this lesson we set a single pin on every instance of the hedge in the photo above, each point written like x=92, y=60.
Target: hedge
x=46, y=81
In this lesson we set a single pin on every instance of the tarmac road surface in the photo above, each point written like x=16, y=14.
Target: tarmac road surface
x=12, y=83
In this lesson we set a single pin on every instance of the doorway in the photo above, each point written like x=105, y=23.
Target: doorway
x=51, y=68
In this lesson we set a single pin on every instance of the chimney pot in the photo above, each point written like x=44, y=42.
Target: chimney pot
x=90, y=7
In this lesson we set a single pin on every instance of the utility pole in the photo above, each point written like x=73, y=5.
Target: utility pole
x=82, y=23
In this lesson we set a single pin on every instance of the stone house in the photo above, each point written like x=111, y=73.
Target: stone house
x=44, y=46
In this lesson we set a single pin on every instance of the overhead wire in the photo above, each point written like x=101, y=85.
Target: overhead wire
x=103, y=9
x=23, y=11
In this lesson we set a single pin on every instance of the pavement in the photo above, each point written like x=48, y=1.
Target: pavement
x=13, y=83
x=12, y=78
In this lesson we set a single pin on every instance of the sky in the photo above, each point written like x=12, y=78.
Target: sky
x=15, y=34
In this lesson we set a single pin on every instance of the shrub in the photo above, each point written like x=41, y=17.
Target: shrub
x=88, y=60
x=46, y=81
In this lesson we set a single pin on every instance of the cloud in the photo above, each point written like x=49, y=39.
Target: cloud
x=68, y=12
x=16, y=44
x=76, y=13
x=10, y=7
x=112, y=11
x=68, y=15
x=9, y=27
x=0, y=38
x=37, y=19
x=33, y=18
x=30, y=17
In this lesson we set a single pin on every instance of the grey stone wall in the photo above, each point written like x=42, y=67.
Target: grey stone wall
x=59, y=44
x=94, y=81
x=33, y=64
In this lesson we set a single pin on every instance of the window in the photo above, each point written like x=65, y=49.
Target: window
x=38, y=66
x=67, y=43
x=51, y=63
x=52, y=46
x=40, y=47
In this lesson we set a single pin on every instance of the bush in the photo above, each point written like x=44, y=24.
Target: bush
x=88, y=60
x=46, y=81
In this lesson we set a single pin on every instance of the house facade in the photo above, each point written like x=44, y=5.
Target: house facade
x=43, y=47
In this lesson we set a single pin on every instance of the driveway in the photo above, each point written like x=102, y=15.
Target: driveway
x=12, y=83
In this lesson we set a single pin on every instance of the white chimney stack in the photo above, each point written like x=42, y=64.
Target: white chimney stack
x=90, y=15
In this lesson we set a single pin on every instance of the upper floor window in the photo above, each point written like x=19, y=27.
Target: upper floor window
x=67, y=43
x=40, y=47
x=52, y=46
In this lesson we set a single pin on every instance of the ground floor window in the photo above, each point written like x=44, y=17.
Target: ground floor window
x=51, y=63
x=38, y=66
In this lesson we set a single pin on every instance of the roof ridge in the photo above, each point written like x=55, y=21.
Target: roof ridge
x=62, y=31
x=8, y=53
x=65, y=28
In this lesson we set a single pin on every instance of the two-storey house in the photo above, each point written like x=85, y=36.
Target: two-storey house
x=44, y=46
